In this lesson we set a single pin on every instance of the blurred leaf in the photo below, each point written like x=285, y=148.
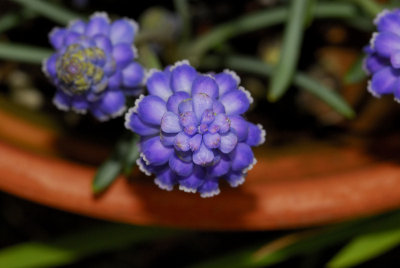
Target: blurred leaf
x=307, y=244
x=12, y=19
x=182, y=7
x=290, y=51
x=256, y=66
x=371, y=7
x=123, y=158
x=356, y=72
x=23, y=53
x=366, y=247
x=50, y=10
x=70, y=248
x=263, y=19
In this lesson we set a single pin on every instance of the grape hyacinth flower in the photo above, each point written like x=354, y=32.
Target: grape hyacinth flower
x=94, y=66
x=383, y=55
x=192, y=130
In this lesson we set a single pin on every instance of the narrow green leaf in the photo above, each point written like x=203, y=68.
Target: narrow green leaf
x=371, y=7
x=182, y=7
x=256, y=66
x=290, y=52
x=356, y=72
x=106, y=174
x=23, y=53
x=50, y=10
x=70, y=248
x=12, y=19
x=262, y=19
x=366, y=247
x=148, y=57
x=122, y=159
x=323, y=238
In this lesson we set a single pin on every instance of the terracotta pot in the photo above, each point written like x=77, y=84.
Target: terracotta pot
x=294, y=186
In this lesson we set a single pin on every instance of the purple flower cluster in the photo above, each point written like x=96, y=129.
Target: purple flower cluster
x=192, y=130
x=383, y=55
x=94, y=66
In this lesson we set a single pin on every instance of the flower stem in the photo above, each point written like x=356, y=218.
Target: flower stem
x=49, y=10
x=303, y=81
x=23, y=53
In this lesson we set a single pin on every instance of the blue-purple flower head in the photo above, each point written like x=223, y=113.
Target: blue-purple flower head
x=383, y=55
x=192, y=130
x=94, y=66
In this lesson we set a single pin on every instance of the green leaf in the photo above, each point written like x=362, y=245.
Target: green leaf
x=23, y=53
x=70, y=248
x=123, y=158
x=262, y=19
x=356, y=72
x=12, y=19
x=371, y=7
x=50, y=10
x=290, y=52
x=256, y=66
x=366, y=247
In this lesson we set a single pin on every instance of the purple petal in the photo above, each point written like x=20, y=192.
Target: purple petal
x=195, y=142
x=180, y=167
x=212, y=140
x=71, y=38
x=374, y=63
x=256, y=135
x=166, y=179
x=395, y=59
x=98, y=24
x=194, y=181
x=77, y=26
x=218, y=107
x=158, y=84
x=167, y=139
x=114, y=82
x=154, y=152
x=235, y=178
x=62, y=101
x=227, y=81
x=174, y=101
x=384, y=81
x=209, y=189
x=206, y=85
x=133, y=122
x=49, y=66
x=112, y=104
x=240, y=126
x=228, y=142
x=56, y=37
x=103, y=42
x=151, y=109
x=182, y=77
x=221, y=124
x=203, y=156
x=221, y=168
x=201, y=102
x=170, y=123
x=386, y=43
x=132, y=75
x=123, y=54
x=388, y=22
x=182, y=142
x=242, y=157
x=188, y=119
x=123, y=31
x=235, y=102
x=79, y=104
x=208, y=117
x=185, y=106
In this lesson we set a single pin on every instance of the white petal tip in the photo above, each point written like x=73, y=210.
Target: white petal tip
x=210, y=194
x=162, y=185
x=233, y=74
x=263, y=134
x=237, y=182
x=187, y=189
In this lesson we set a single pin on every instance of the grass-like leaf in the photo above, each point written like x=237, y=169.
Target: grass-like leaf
x=70, y=248
x=356, y=72
x=290, y=52
x=23, y=53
